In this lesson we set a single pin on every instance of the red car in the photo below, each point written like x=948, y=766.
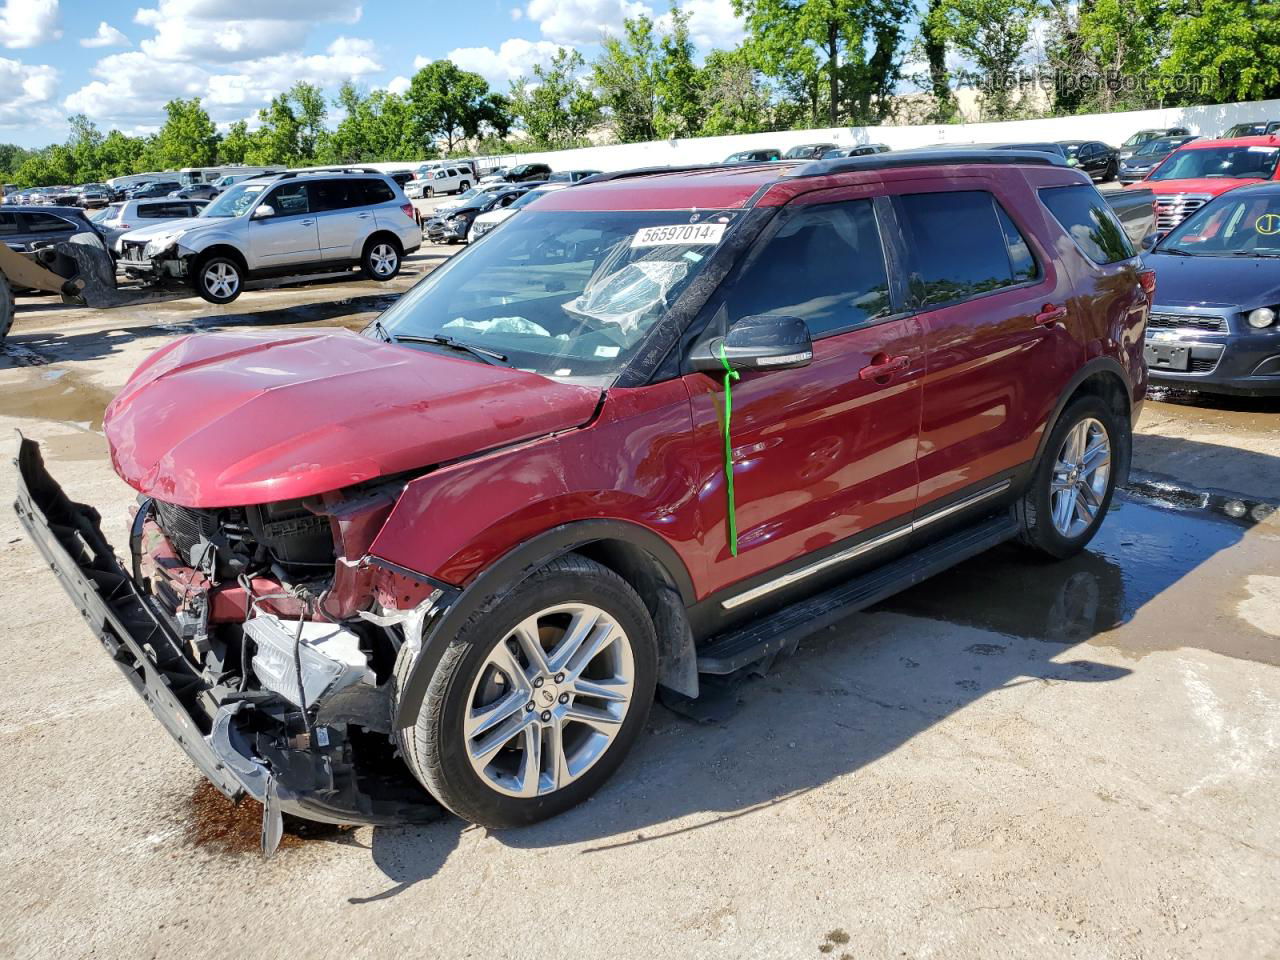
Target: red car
x=655, y=427
x=1198, y=171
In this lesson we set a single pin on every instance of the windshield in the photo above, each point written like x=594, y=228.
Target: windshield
x=1153, y=147
x=1142, y=136
x=235, y=202
x=564, y=294
x=1235, y=225
x=1070, y=149
x=110, y=212
x=1236, y=163
x=1247, y=130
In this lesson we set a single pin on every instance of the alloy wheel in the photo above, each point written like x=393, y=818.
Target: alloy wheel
x=1081, y=473
x=549, y=700
x=383, y=259
x=221, y=279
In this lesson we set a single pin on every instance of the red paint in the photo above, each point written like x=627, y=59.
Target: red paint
x=231, y=419
x=1211, y=186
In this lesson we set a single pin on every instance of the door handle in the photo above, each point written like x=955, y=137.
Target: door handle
x=306, y=223
x=363, y=216
x=1049, y=315
x=882, y=365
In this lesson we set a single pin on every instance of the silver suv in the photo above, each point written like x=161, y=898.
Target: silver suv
x=276, y=226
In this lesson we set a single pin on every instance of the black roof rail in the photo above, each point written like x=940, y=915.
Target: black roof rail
x=286, y=174
x=657, y=171
x=942, y=156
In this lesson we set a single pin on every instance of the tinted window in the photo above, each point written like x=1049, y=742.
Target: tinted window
x=825, y=265
x=1083, y=213
x=46, y=223
x=327, y=195
x=957, y=245
x=1021, y=259
x=8, y=224
x=365, y=192
x=290, y=199
x=163, y=211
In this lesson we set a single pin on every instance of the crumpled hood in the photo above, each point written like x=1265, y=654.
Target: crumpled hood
x=232, y=419
x=1242, y=283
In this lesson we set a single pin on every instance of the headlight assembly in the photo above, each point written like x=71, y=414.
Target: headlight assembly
x=1262, y=317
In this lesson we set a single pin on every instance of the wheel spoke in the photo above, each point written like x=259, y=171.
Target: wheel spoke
x=1063, y=508
x=531, y=765
x=526, y=634
x=1083, y=511
x=596, y=719
x=489, y=716
x=580, y=627
x=611, y=692
x=556, y=763
x=483, y=748
x=1089, y=498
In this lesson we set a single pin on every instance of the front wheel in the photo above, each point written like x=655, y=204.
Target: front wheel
x=1074, y=481
x=464, y=186
x=381, y=260
x=219, y=279
x=538, y=698
x=7, y=306
x=429, y=192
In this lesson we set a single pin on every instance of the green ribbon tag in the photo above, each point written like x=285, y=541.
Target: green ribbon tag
x=730, y=375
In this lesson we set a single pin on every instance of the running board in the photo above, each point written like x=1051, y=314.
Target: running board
x=775, y=632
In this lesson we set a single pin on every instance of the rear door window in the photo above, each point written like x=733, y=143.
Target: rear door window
x=366, y=192
x=1083, y=213
x=824, y=265
x=8, y=224
x=46, y=223
x=960, y=245
x=328, y=195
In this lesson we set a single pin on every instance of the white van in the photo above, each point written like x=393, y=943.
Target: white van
x=447, y=179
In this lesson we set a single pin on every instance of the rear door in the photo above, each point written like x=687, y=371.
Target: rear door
x=984, y=278
x=341, y=222
x=289, y=236
x=825, y=455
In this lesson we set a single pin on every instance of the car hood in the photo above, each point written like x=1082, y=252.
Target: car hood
x=165, y=228
x=232, y=419
x=1210, y=185
x=1239, y=283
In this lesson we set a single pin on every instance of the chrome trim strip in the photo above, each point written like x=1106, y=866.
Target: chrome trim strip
x=875, y=543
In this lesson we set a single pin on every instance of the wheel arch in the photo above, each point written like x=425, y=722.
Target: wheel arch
x=220, y=250
x=638, y=555
x=1101, y=377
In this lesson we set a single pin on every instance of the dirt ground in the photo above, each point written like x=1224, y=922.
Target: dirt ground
x=1014, y=759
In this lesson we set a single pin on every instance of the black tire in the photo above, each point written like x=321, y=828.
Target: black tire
x=219, y=278
x=464, y=186
x=7, y=306
x=429, y=192
x=382, y=259
x=1034, y=509
x=435, y=748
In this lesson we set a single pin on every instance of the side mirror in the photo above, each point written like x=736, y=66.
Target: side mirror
x=263, y=210
x=1149, y=241
x=759, y=343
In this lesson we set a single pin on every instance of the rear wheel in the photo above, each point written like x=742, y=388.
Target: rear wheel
x=429, y=192
x=1074, y=482
x=381, y=259
x=538, y=698
x=464, y=186
x=6, y=307
x=219, y=279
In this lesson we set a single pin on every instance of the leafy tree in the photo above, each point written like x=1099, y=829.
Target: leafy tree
x=679, y=84
x=188, y=137
x=376, y=126
x=993, y=35
x=12, y=157
x=451, y=104
x=1229, y=48
x=277, y=141
x=934, y=47
x=625, y=75
x=119, y=154
x=237, y=142
x=48, y=167
x=310, y=109
x=556, y=110
x=85, y=144
x=733, y=99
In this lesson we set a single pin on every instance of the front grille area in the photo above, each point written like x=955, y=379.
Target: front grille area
x=129, y=250
x=185, y=526
x=1202, y=366
x=1171, y=211
x=1179, y=321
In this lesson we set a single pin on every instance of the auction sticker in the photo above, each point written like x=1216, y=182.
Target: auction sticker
x=679, y=234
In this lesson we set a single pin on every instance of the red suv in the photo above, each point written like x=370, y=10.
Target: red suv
x=655, y=427
x=1198, y=171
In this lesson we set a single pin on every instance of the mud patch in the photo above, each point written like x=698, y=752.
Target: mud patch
x=54, y=394
x=215, y=823
x=83, y=445
x=1262, y=608
x=1229, y=414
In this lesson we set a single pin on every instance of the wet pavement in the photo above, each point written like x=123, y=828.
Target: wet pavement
x=1015, y=758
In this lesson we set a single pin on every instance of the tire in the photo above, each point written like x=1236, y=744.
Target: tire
x=219, y=279
x=7, y=306
x=380, y=260
x=464, y=186
x=479, y=669
x=429, y=192
x=1066, y=477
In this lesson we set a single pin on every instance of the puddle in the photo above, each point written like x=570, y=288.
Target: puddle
x=1145, y=550
x=1230, y=413
x=54, y=394
x=215, y=823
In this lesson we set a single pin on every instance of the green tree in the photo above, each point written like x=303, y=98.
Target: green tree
x=556, y=109
x=311, y=110
x=188, y=137
x=375, y=126
x=679, y=82
x=1221, y=51
x=48, y=167
x=12, y=157
x=450, y=104
x=85, y=143
x=278, y=139
x=625, y=76
x=934, y=47
x=993, y=35
x=236, y=143
x=733, y=99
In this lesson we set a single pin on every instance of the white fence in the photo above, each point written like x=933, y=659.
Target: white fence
x=1113, y=128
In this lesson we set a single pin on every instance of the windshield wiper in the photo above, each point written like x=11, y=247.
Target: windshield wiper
x=1252, y=253
x=439, y=339
x=1173, y=252
x=381, y=330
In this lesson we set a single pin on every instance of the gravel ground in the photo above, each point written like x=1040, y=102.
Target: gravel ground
x=1013, y=759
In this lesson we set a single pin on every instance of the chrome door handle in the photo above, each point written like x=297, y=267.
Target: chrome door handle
x=364, y=216
x=306, y=223
x=1049, y=315
x=882, y=366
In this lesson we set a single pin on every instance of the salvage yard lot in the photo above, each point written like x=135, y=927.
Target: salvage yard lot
x=1014, y=759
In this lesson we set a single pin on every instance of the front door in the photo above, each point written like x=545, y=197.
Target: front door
x=825, y=454
x=287, y=237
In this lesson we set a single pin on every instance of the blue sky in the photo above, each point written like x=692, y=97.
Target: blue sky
x=120, y=62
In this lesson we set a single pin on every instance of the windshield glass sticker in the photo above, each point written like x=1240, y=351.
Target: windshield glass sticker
x=678, y=234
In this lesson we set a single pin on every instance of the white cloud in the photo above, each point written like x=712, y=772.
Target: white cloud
x=107, y=36
x=398, y=85
x=227, y=31
x=712, y=24
x=516, y=13
x=582, y=21
x=514, y=58
x=28, y=23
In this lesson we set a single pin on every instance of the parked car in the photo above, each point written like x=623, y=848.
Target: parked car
x=152, y=188
x=486, y=222
x=454, y=202
x=497, y=175
x=760, y=155
x=27, y=227
x=196, y=191
x=446, y=180
x=527, y=173
x=231, y=179
x=1135, y=141
x=93, y=195
x=807, y=151
x=1148, y=156
x=477, y=538
x=1214, y=327
x=570, y=176
x=1099, y=161
x=280, y=225
x=1194, y=174
x=1258, y=128
x=454, y=225
x=468, y=166
x=862, y=150
x=120, y=218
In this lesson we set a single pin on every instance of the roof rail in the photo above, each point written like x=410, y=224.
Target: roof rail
x=287, y=174
x=656, y=171
x=926, y=157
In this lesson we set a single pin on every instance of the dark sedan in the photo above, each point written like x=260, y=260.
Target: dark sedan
x=1097, y=159
x=1148, y=156
x=1214, y=323
x=29, y=227
x=196, y=191
x=154, y=188
x=456, y=224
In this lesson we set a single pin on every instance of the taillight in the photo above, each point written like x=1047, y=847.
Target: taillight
x=124, y=226
x=1148, y=280
x=408, y=210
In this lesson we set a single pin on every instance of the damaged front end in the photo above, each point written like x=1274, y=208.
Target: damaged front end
x=161, y=261
x=264, y=650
